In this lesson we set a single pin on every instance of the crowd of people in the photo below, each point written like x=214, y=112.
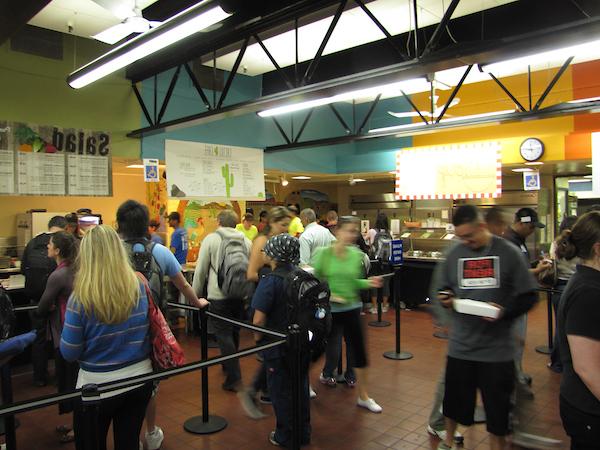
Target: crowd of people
x=97, y=316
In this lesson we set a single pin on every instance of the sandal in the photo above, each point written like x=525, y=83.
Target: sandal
x=67, y=437
x=63, y=429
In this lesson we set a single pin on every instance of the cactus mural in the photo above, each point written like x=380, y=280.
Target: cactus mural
x=228, y=179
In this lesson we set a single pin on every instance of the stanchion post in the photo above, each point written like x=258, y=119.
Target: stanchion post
x=397, y=354
x=10, y=435
x=295, y=367
x=547, y=349
x=204, y=424
x=90, y=405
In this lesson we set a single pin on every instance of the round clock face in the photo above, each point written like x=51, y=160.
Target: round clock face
x=532, y=149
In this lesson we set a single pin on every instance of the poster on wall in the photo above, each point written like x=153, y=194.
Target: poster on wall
x=197, y=170
x=449, y=172
x=50, y=160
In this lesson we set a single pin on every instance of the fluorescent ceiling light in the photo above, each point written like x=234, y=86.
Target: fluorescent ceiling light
x=152, y=42
x=588, y=165
x=587, y=176
x=522, y=169
x=393, y=172
x=301, y=177
x=408, y=86
x=534, y=163
x=358, y=180
x=583, y=100
x=582, y=52
x=579, y=180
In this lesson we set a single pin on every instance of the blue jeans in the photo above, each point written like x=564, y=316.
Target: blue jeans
x=279, y=380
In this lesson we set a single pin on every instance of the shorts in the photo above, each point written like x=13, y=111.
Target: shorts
x=495, y=380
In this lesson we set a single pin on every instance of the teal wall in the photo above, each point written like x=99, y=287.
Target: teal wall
x=371, y=155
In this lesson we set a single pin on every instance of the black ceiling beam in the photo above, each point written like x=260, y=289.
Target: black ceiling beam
x=440, y=29
x=286, y=79
x=554, y=80
x=506, y=91
x=453, y=94
x=464, y=54
x=197, y=86
x=15, y=14
x=233, y=72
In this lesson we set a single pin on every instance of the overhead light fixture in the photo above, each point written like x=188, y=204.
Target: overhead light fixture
x=359, y=180
x=301, y=177
x=393, y=172
x=522, y=169
x=579, y=180
x=588, y=165
x=283, y=181
x=407, y=86
x=584, y=100
x=588, y=176
x=174, y=29
x=534, y=163
x=583, y=52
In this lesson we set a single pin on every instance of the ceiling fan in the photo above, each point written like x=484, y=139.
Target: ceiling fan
x=130, y=14
x=427, y=114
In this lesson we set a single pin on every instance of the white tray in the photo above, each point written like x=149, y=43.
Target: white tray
x=476, y=308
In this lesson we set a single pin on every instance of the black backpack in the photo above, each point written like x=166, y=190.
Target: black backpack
x=145, y=263
x=233, y=267
x=308, y=306
x=7, y=316
x=37, y=267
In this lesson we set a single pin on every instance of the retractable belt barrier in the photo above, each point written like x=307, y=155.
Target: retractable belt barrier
x=547, y=349
x=204, y=424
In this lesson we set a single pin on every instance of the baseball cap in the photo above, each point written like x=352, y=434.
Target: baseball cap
x=528, y=215
x=174, y=216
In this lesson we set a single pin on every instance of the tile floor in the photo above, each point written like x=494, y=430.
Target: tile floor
x=404, y=389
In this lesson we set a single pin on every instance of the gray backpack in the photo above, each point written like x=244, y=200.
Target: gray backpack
x=233, y=265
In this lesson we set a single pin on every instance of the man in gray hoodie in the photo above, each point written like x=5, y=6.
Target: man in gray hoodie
x=207, y=268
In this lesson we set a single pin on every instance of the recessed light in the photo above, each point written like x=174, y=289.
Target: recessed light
x=588, y=165
x=522, y=169
x=534, y=163
x=359, y=180
x=301, y=177
x=587, y=176
x=393, y=172
x=579, y=180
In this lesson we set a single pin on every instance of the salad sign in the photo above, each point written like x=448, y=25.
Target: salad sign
x=50, y=160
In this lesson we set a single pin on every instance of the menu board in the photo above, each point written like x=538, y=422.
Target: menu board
x=449, y=172
x=48, y=160
x=41, y=173
x=197, y=170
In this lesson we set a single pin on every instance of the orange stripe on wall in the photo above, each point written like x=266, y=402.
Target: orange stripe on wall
x=578, y=146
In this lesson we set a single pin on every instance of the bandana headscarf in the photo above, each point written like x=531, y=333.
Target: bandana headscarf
x=283, y=248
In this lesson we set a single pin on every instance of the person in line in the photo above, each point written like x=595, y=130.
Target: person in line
x=340, y=265
x=380, y=231
x=72, y=226
x=271, y=311
x=525, y=223
x=296, y=228
x=263, y=221
x=153, y=227
x=496, y=222
x=106, y=303
x=247, y=227
x=332, y=218
x=314, y=237
x=207, y=267
x=37, y=267
x=481, y=351
x=132, y=224
x=179, y=238
x=579, y=334
x=62, y=248
x=564, y=271
x=278, y=219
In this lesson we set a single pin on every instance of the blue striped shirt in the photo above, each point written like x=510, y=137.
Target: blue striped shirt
x=101, y=347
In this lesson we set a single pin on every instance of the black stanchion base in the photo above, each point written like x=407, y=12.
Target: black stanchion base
x=3, y=429
x=397, y=356
x=440, y=335
x=376, y=323
x=197, y=426
x=479, y=416
x=544, y=349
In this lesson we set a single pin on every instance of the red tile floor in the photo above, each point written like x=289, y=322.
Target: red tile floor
x=404, y=389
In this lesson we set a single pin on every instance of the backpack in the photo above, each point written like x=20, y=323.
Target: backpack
x=7, y=315
x=308, y=306
x=145, y=263
x=38, y=266
x=381, y=249
x=232, y=268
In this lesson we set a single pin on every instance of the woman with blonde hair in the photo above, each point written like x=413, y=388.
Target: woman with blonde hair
x=107, y=331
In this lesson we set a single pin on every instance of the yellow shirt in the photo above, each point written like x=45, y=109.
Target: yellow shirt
x=295, y=227
x=250, y=234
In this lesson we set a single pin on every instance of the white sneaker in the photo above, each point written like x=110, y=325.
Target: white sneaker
x=311, y=392
x=369, y=404
x=441, y=434
x=154, y=439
